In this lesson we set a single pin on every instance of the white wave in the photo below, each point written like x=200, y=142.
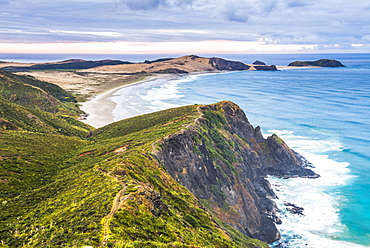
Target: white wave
x=306, y=144
x=163, y=92
x=320, y=225
x=151, y=96
x=147, y=97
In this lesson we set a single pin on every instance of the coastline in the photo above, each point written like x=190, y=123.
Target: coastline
x=100, y=108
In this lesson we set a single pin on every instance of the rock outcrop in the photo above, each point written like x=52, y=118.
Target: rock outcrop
x=223, y=160
x=319, y=63
x=258, y=62
x=227, y=65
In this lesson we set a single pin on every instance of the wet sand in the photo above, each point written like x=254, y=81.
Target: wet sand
x=100, y=107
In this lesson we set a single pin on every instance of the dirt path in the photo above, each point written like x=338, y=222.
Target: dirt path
x=118, y=199
x=116, y=205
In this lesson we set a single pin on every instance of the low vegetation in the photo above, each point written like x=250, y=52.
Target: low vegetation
x=59, y=188
x=68, y=65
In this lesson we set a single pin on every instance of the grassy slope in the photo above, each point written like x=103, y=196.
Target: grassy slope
x=89, y=177
x=32, y=93
x=17, y=117
x=57, y=187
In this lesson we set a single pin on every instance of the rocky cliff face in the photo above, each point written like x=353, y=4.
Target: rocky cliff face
x=223, y=160
x=227, y=65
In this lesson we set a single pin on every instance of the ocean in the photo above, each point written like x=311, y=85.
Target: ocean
x=323, y=113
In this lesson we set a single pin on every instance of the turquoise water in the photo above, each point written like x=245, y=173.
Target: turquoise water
x=323, y=113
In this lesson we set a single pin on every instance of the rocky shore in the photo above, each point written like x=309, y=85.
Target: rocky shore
x=225, y=165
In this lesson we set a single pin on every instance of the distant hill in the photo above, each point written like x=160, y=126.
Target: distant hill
x=185, y=64
x=72, y=64
x=31, y=105
x=157, y=60
x=32, y=93
x=319, y=63
x=189, y=63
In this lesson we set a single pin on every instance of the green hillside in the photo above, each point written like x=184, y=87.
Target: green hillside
x=72, y=64
x=32, y=93
x=60, y=189
x=16, y=117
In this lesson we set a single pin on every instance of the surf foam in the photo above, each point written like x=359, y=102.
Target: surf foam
x=320, y=225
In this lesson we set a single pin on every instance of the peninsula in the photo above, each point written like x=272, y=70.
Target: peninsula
x=185, y=177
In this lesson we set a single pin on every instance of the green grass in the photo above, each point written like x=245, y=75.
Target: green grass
x=35, y=94
x=278, y=139
x=76, y=186
x=57, y=187
x=36, y=120
x=143, y=122
x=29, y=160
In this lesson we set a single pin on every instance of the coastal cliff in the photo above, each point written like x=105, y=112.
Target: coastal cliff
x=192, y=176
x=223, y=160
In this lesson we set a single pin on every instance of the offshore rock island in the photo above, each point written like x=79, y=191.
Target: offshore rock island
x=318, y=63
x=191, y=176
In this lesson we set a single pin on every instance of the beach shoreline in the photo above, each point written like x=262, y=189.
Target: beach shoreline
x=100, y=108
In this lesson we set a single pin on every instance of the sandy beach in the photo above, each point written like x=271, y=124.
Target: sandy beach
x=101, y=107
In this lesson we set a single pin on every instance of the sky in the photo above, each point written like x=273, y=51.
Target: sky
x=184, y=26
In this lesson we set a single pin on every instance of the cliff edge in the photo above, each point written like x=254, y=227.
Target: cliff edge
x=222, y=159
x=122, y=185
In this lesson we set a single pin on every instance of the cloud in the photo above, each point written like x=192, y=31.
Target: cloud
x=246, y=10
x=155, y=4
x=285, y=22
x=298, y=3
x=143, y=4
